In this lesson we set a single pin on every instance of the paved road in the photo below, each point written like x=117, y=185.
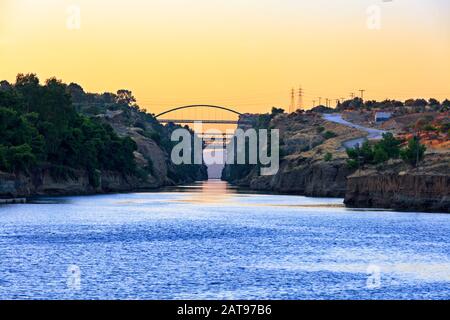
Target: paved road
x=373, y=134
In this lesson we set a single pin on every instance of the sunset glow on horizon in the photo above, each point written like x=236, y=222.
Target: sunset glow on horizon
x=246, y=54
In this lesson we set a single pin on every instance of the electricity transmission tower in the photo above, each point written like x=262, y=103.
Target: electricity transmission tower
x=300, y=99
x=292, y=106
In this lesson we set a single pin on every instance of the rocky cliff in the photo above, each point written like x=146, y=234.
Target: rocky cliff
x=397, y=186
x=312, y=162
x=41, y=182
x=153, y=148
x=304, y=176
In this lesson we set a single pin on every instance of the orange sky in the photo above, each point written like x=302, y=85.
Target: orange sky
x=242, y=53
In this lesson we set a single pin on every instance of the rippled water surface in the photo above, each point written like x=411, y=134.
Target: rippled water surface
x=209, y=241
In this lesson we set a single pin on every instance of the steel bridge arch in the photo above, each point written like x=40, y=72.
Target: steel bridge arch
x=198, y=106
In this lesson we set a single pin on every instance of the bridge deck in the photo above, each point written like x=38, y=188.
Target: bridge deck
x=200, y=121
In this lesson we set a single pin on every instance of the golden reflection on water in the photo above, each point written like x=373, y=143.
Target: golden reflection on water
x=216, y=191
x=220, y=193
x=211, y=191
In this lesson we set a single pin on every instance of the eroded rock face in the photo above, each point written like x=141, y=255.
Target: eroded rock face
x=41, y=182
x=303, y=169
x=149, y=153
x=303, y=176
x=426, y=188
x=410, y=192
x=314, y=178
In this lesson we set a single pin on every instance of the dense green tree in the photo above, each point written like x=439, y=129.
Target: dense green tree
x=76, y=92
x=20, y=158
x=414, y=152
x=380, y=155
x=389, y=145
x=328, y=157
x=329, y=135
x=39, y=125
x=385, y=149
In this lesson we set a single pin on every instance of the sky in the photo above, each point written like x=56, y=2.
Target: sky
x=245, y=54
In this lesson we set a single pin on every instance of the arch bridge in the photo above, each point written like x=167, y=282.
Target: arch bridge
x=202, y=119
x=210, y=139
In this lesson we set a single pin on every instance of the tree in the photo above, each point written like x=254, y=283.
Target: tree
x=392, y=104
x=370, y=104
x=56, y=105
x=353, y=104
x=108, y=97
x=125, y=97
x=445, y=105
x=4, y=165
x=276, y=111
x=320, y=129
x=389, y=145
x=380, y=155
x=76, y=92
x=20, y=158
x=54, y=134
x=329, y=135
x=29, y=80
x=421, y=103
x=414, y=152
x=433, y=102
x=385, y=149
x=360, y=156
x=28, y=86
x=5, y=85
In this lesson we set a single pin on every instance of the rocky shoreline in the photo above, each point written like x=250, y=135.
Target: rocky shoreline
x=306, y=140
x=302, y=176
x=305, y=171
x=41, y=183
x=424, y=189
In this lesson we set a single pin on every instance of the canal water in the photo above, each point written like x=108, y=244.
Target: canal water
x=211, y=241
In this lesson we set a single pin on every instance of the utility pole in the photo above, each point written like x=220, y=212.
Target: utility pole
x=300, y=98
x=327, y=102
x=292, y=106
x=314, y=103
x=320, y=101
x=362, y=93
x=352, y=95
